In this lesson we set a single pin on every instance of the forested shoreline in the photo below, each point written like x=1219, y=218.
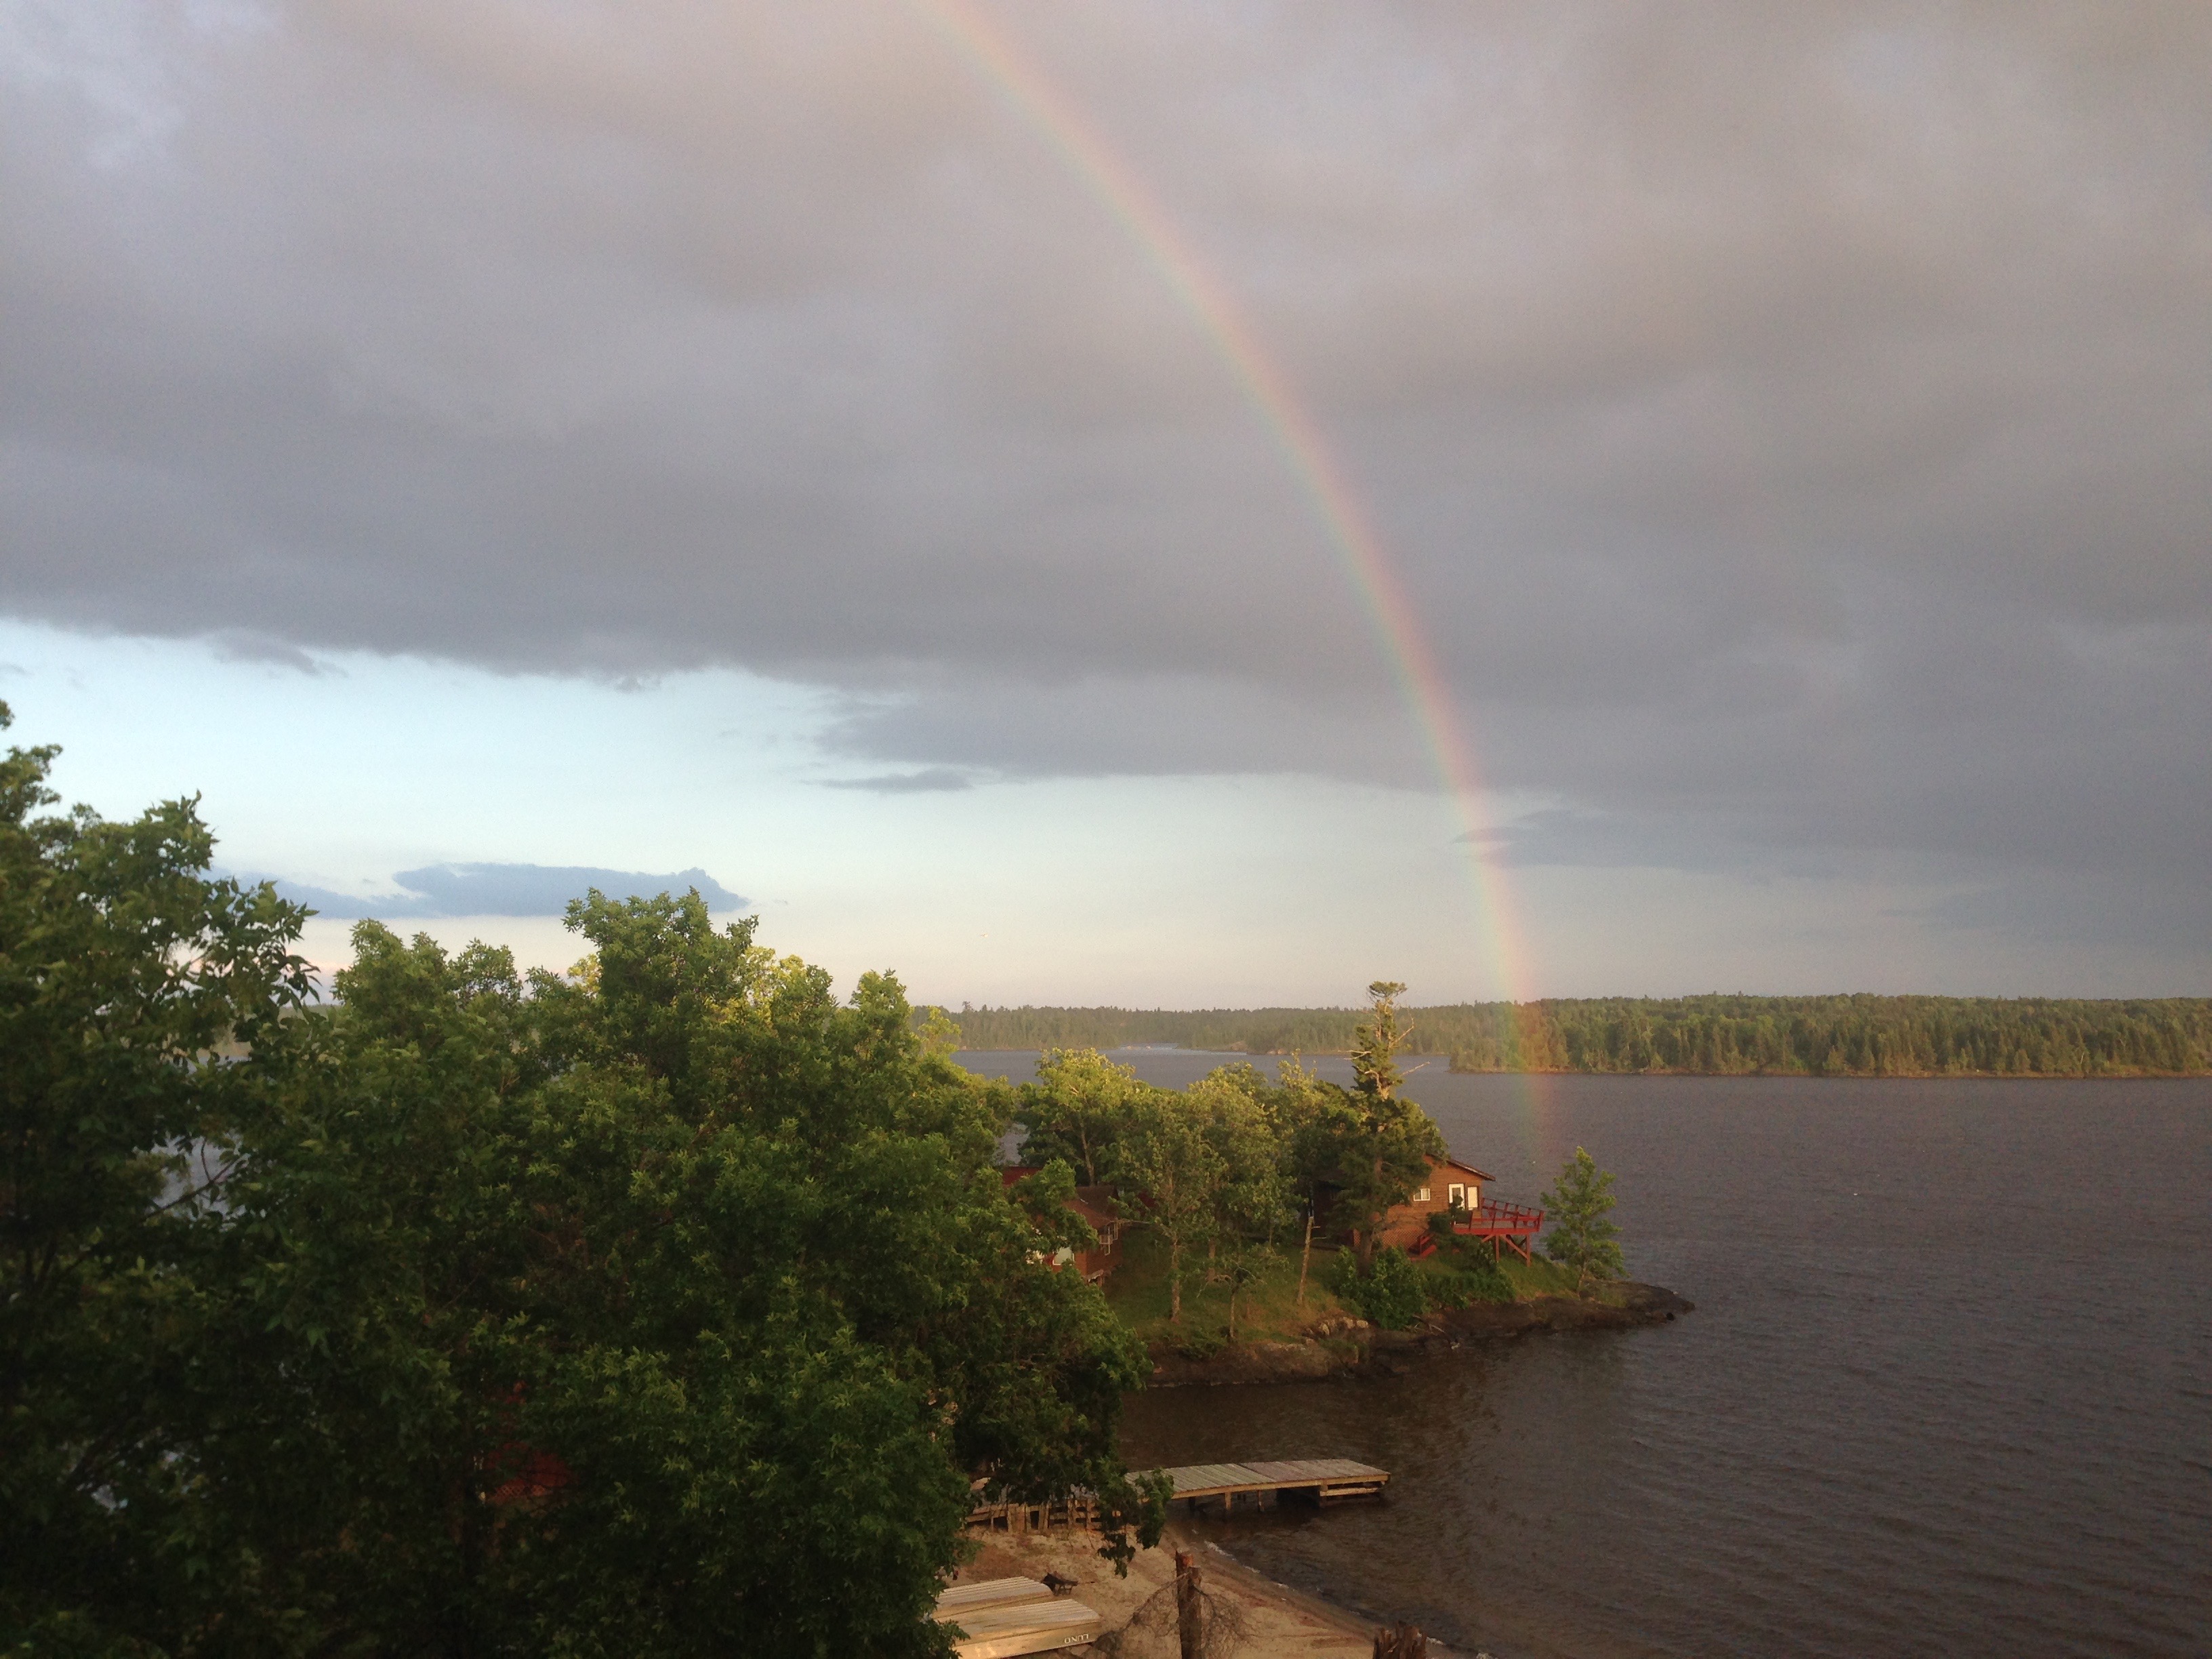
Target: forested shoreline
x=1725, y=1035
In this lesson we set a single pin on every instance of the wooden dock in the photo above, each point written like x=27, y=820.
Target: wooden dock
x=1325, y=1480
x=1322, y=1479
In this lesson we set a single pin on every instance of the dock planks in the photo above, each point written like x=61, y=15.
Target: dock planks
x=1327, y=1478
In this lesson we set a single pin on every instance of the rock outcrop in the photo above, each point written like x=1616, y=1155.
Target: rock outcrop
x=1342, y=1346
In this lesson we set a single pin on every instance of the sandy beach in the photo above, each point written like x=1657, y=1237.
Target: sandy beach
x=1278, y=1622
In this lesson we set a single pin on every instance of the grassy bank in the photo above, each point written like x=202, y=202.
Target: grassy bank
x=1268, y=1310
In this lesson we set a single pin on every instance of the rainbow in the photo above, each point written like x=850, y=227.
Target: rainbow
x=1365, y=563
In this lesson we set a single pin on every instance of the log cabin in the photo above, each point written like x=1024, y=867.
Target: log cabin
x=1449, y=1185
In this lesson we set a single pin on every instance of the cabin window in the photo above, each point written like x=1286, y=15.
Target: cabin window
x=1455, y=1194
x=1422, y=1196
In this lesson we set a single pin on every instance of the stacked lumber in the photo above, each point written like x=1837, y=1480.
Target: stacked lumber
x=1000, y=1617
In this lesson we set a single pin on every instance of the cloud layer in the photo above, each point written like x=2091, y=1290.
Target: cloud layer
x=503, y=890
x=1790, y=423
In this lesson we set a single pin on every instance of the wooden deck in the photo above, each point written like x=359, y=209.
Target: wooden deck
x=1325, y=1479
x=1507, y=1226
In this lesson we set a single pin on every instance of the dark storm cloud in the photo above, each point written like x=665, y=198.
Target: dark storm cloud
x=1791, y=421
x=504, y=889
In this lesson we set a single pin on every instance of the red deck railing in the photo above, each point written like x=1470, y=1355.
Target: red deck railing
x=1507, y=1226
x=1495, y=1219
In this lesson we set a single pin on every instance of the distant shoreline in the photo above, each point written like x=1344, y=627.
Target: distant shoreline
x=1234, y=1054
x=1717, y=1036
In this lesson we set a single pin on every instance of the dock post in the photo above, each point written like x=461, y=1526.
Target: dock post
x=1190, y=1619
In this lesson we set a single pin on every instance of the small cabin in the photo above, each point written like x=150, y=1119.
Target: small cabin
x=1095, y=1205
x=1449, y=1185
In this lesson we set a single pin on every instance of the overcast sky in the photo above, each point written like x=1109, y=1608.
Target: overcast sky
x=714, y=438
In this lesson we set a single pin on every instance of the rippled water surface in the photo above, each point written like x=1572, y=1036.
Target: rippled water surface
x=1948, y=1388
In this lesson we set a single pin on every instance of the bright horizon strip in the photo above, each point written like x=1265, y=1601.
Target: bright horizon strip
x=1361, y=555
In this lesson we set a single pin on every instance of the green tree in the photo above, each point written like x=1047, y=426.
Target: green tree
x=1351, y=1154
x=739, y=1262
x=125, y=974
x=1374, y=1044
x=669, y=1308
x=1176, y=1173
x=1241, y=1264
x=1252, y=1197
x=1252, y=1200
x=1367, y=1147
x=1581, y=1237
x=1383, y=1148
x=1077, y=1108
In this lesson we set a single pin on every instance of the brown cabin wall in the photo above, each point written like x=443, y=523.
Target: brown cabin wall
x=1403, y=1224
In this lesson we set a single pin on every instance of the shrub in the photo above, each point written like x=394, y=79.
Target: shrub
x=1480, y=1280
x=1390, y=1293
x=1199, y=1344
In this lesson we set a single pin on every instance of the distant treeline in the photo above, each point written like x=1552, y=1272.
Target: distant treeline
x=1727, y=1036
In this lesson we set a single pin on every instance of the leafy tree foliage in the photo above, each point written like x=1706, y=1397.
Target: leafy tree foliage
x=123, y=971
x=1204, y=1167
x=667, y=1309
x=1047, y=1198
x=1252, y=1197
x=1078, y=1106
x=1580, y=1236
x=1169, y=1162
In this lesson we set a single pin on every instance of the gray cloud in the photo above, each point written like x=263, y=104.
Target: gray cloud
x=1790, y=423
x=933, y=779
x=238, y=645
x=503, y=890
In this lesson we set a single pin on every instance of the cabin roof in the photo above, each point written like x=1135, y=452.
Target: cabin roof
x=1466, y=1169
x=1095, y=1211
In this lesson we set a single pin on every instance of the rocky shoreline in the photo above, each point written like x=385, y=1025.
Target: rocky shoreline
x=1350, y=1347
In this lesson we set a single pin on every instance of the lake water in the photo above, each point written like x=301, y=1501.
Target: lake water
x=1948, y=1391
